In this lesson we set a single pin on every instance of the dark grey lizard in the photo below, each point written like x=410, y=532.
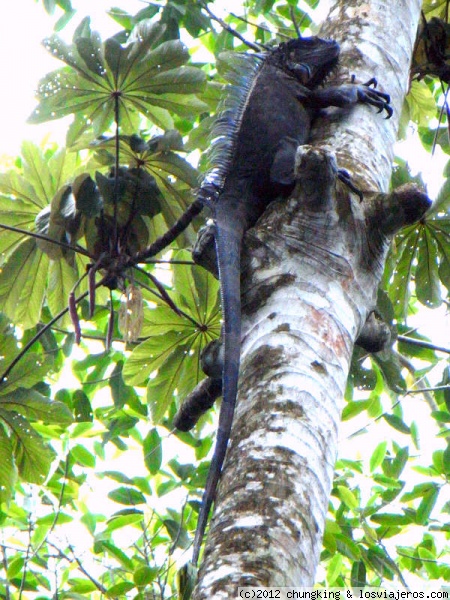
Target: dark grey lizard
x=279, y=98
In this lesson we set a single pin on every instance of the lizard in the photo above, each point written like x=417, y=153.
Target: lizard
x=254, y=162
x=256, y=138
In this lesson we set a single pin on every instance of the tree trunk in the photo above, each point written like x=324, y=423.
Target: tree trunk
x=311, y=271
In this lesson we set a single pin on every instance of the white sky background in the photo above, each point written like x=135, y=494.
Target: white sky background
x=23, y=25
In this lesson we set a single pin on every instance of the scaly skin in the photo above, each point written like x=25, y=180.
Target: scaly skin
x=276, y=118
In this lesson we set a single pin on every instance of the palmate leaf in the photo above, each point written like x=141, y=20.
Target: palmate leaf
x=197, y=291
x=28, y=192
x=29, y=371
x=418, y=263
x=156, y=156
x=420, y=259
x=181, y=372
x=174, y=175
x=35, y=406
x=22, y=284
x=144, y=76
x=61, y=279
x=150, y=356
x=32, y=456
x=8, y=472
x=427, y=275
x=174, y=343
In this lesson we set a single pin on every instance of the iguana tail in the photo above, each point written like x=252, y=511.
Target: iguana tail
x=230, y=231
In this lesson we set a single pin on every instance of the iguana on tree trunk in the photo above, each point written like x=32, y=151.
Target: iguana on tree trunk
x=274, y=100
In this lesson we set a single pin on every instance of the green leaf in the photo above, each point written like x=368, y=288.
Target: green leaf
x=120, y=589
x=382, y=564
x=358, y=574
x=141, y=77
x=378, y=456
x=121, y=393
x=26, y=373
x=150, y=356
x=121, y=521
x=90, y=51
x=397, y=423
x=81, y=586
x=169, y=163
x=160, y=389
x=162, y=320
x=144, y=575
x=352, y=409
x=8, y=472
x=82, y=408
x=118, y=554
x=399, y=462
x=334, y=569
x=429, y=561
x=427, y=277
x=347, y=547
x=446, y=460
x=177, y=533
x=82, y=456
x=15, y=567
x=348, y=498
x=427, y=504
x=32, y=456
x=406, y=244
x=33, y=405
x=421, y=103
x=62, y=279
x=22, y=284
x=127, y=496
x=37, y=173
x=152, y=451
x=392, y=520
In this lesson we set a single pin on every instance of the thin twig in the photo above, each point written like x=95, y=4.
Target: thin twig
x=44, y=238
x=422, y=344
x=236, y=34
x=163, y=295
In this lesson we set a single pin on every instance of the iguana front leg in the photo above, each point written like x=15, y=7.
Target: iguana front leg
x=347, y=95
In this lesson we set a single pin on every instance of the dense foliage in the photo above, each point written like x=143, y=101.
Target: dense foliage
x=98, y=494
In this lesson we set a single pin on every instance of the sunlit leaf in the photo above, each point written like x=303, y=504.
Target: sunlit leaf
x=152, y=451
x=62, y=278
x=8, y=471
x=427, y=278
x=160, y=390
x=22, y=284
x=429, y=561
x=427, y=504
x=348, y=497
x=105, y=81
x=32, y=455
x=397, y=423
x=33, y=405
x=126, y=495
x=378, y=456
x=421, y=103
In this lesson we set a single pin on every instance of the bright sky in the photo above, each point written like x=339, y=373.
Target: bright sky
x=24, y=24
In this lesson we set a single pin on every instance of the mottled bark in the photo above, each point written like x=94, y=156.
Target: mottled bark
x=312, y=267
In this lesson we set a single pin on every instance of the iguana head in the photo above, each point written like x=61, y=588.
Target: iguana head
x=309, y=59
